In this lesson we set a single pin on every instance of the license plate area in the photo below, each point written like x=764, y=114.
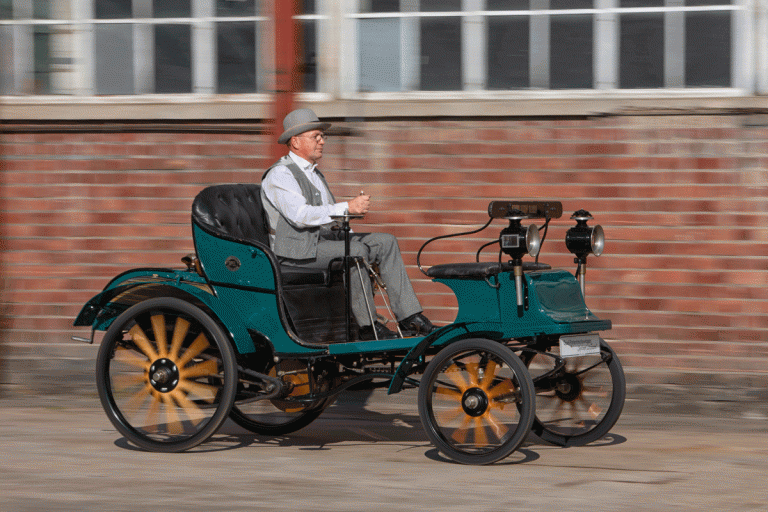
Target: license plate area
x=579, y=345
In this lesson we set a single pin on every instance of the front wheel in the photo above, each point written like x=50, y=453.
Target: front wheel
x=166, y=375
x=476, y=401
x=580, y=401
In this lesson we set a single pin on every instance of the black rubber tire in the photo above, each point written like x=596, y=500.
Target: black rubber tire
x=193, y=349
x=471, y=396
x=589, y=423
x=280, y=422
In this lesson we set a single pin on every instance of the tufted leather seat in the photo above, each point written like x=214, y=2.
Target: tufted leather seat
x=234, y=211
x=313, y=301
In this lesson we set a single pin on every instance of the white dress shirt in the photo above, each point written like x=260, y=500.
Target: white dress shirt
x=283, y=191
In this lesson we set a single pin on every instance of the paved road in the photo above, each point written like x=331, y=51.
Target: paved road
x=368, y=452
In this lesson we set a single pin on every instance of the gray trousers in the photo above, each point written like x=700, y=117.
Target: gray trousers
x=379, y=248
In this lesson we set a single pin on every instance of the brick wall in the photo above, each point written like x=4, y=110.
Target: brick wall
x=682, y=199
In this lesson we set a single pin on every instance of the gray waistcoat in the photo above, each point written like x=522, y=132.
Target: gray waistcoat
x=290, y=241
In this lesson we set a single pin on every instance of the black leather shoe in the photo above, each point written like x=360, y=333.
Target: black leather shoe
x=417, y=324
x=366, y=333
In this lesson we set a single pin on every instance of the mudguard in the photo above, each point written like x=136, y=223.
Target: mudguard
x=137, y=285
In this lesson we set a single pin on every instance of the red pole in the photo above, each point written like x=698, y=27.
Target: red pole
x=287, y=51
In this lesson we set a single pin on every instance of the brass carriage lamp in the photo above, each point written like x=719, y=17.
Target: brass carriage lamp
x=583, y=240
x=516, y=241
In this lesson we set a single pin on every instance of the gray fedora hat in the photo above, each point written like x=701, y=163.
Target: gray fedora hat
x=299, y=121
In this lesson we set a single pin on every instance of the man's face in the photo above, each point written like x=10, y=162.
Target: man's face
x=309, y=145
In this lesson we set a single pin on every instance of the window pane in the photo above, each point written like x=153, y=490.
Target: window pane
x=570, y=4
x=440, y=5
x=309, y=63
x=627, y=4
x=42, y=50
x=379, y=55
x=707, y=2
x=641, y=58
x=379, y=5
x=6, y=11
x=307, y=7
x=6, y=60
x=42, y=10
x=508, y=44
x=508, y=5
x=114, y=59
x=708, y=49
x=173, y=8
x=441, y=54
x=571, y=52
x=236, y=57
x=235, y=7
x=113, y=9
x=173, y=59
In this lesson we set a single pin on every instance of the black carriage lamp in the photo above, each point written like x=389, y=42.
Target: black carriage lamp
x=517, y=241
x=583, y=240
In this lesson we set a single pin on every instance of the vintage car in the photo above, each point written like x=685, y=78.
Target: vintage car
x=235, y=335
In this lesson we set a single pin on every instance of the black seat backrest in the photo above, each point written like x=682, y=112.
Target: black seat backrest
x=232, y=211
x=313, y=301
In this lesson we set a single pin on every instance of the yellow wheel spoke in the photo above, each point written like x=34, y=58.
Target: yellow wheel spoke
x=141, y=341
x=124, y=381
x=502, y=388
x=202, y=369
x=481, y=438
x=138, y=399
x=460, y=434
x=473, y=370
x=594, y=410
x=152, y=414
x=173, y=423
x=193, y=412
x=130, y=357
x=449, y=392
x=179, y=333
x=448, y=416
x=197, y=346
x=499, y=429
x=490, y=373
x=454, y=373
x=158, y=327
x=203, y=391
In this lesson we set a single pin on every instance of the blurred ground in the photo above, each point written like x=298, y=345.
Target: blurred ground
x=673, y=449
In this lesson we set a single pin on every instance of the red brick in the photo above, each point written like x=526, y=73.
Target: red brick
x=682, y=209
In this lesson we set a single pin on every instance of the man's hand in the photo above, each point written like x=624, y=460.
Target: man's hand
x=360, y=205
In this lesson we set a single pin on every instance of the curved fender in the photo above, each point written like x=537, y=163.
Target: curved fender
x=101, y=310
x=442, y=337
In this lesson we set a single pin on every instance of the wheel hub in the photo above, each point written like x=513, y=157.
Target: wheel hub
x=474, y=402
x=164, y=375
x=568, y=388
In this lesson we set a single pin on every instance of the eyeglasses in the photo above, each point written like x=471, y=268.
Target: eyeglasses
x=318, y=137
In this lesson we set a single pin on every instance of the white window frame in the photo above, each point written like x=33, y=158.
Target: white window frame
x=337, y=63
x=746, y=77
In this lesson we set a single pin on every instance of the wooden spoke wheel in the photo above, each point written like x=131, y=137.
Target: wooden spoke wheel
x=579, y=403
x=476, y=401
x=280, y=417
x=166, y=375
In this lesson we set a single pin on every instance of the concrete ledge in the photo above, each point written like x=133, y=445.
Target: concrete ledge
x=380, y=105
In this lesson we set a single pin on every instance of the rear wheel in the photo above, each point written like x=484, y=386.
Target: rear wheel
x=476, y=401
x=166, y=375
x=579, y=402
x=279, y=417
